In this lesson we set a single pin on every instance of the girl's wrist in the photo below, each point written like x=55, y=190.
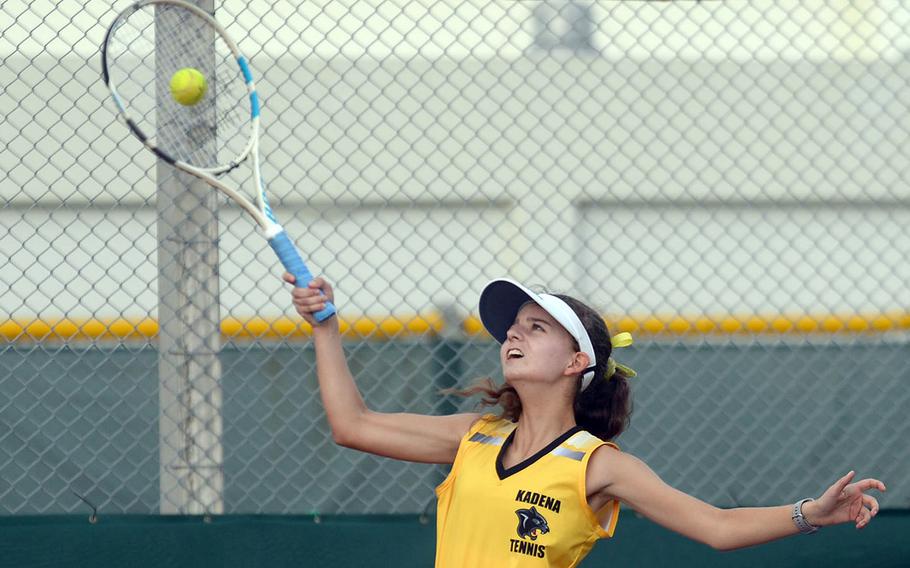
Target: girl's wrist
x=809, y=510
x=327, y=328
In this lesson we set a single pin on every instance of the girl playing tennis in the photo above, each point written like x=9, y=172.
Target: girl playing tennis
x=540, y=484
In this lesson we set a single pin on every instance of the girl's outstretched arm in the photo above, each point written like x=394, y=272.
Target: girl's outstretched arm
x=616, y=475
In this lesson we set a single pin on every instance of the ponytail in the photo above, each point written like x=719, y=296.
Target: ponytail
x=605, y=407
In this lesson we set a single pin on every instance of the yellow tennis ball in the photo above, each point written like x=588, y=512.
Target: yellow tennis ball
x=188, y=86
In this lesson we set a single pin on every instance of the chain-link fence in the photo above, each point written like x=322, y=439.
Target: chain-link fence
x=725, y=179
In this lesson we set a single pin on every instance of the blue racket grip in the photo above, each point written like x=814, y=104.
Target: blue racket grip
x=290, y=258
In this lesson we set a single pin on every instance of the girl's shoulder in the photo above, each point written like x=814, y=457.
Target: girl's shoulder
x=586, y=441
x=493, y=425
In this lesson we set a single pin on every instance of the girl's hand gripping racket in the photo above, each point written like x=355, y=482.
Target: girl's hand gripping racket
x=186, y=92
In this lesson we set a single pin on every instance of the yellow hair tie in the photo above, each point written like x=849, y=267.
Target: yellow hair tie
x=623, y=339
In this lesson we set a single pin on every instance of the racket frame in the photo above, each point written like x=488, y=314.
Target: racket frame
x=261, y=211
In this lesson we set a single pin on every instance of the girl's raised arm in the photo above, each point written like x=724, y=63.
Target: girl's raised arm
x=404, y=436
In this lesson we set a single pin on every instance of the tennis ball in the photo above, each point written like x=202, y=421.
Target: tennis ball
x=188, y=86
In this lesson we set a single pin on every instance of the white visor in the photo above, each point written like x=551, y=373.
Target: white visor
x=502, y=298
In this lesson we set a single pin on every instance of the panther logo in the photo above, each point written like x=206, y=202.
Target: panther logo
x=531, y=523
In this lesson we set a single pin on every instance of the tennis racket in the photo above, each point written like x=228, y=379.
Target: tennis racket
x=145, y=45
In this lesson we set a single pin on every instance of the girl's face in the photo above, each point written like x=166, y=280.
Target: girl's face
x=537, y=348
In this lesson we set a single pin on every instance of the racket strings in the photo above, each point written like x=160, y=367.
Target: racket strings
x=144, y=51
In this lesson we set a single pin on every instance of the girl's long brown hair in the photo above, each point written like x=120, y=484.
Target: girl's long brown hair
x=603, y=409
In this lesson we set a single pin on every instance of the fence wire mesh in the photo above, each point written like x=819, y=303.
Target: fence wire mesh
x=727, y=180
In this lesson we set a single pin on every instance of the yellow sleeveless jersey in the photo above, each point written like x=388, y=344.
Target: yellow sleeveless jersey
x=532, y=514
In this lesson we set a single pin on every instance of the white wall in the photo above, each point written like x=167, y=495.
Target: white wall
x=754, y=162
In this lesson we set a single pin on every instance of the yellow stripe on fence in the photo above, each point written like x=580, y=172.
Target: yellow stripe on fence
x=23, y=329
x=397, y=327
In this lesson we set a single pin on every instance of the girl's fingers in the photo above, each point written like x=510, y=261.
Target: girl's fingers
x=862, y=485
x=305, y=293
x=872, y=503
x=310, y=298
x=324, y=287
x=867, y=484
x=313, y=305
x=842, y=483
x=867, y=511
x=864, y=517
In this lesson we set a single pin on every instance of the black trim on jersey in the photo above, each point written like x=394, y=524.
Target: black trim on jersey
x=504, y=473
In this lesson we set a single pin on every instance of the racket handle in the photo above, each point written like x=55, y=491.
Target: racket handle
x=290, y=258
